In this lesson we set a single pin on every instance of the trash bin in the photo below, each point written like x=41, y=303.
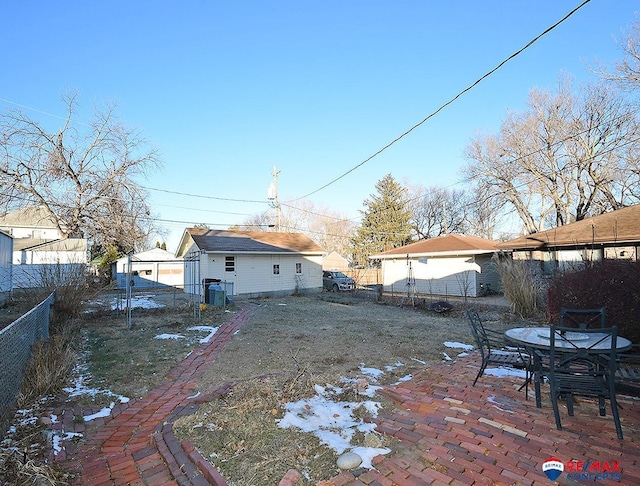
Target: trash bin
x=207, y=282
x=216, y=295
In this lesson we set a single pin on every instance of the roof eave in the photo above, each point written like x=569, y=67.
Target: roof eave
x=432, y=254
x=569, y=244
x=249, y=252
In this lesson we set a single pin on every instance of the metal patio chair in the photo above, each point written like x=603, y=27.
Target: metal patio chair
x=491, y=345
x=583, y=318
x=628, y=371
x=576, y=367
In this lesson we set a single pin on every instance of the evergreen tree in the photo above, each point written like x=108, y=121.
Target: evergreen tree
x=385, y=222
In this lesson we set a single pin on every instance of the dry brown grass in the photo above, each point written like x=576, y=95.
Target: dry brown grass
x=22, y=464
x=131, y=362
x=16, y=469
x=48, y=368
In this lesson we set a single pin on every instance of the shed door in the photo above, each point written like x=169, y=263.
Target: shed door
x=276, y=273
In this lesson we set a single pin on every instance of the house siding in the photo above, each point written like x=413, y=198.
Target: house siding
x=6, y=251
x=488, y=274
x=554, y=260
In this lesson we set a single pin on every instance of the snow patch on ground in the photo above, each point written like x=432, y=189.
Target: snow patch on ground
x=333, y=421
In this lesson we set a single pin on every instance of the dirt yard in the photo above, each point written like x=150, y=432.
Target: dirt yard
x=288, y=348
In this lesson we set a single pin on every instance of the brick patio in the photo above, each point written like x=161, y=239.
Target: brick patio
x=455, y=434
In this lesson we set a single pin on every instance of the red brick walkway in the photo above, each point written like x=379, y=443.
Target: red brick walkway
x=136, y=445
x=455, y=434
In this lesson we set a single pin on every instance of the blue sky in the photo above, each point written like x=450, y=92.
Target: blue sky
x=228, y=90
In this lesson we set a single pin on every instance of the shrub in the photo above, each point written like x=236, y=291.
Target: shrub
x=614, y=284
x=73, y=288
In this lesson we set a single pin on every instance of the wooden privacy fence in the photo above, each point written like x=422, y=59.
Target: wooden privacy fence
x=365, y=276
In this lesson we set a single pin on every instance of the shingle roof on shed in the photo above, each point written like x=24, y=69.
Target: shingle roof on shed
x=619, y=227
x=252, y=241
x=447, y=244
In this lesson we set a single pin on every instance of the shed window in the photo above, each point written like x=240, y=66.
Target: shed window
x=276, y=269
x=298, y=268
x=230, y=264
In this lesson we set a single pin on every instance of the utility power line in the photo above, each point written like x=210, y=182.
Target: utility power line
x=443, y=106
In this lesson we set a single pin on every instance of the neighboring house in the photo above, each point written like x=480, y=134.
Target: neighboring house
x=455, y=265
x=250, y=263
x=335, y=261
x=33, y=222
x=613, y=235
x=149, y=269
x=6, y=253
x=38, y=244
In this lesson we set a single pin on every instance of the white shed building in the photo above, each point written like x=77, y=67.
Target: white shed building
x=149, y=269
x=250, y=263
x=455, y=265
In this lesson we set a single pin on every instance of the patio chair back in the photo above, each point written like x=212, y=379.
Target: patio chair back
x=489, y=343
x=577, y=367
x=583, y=318
x=479, y=332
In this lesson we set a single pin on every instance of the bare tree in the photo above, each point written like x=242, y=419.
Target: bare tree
x=327, y=228
x=436, y=211
x=484, y=213
x=82, y=174
x=568, y=157
x=258, y=222
x=330, y=229
x=627, y=70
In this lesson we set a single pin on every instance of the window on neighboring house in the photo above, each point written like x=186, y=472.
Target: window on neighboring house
x=298, y=268
x=230, y=264
x=276, y=269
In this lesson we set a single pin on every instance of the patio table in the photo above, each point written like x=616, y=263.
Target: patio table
x=536, y=341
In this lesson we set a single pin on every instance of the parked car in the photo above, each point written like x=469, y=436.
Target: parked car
x=335, y=281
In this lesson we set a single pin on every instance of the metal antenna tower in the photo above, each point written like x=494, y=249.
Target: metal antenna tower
x=411, y=285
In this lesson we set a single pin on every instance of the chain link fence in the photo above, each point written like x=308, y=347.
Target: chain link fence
x=15, y=349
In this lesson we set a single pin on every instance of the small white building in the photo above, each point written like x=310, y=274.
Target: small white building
x=28, y=251
x=250, y=263
x=149, y=269
x=455, y=265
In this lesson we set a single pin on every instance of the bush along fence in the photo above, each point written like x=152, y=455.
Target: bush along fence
x=15, y=349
